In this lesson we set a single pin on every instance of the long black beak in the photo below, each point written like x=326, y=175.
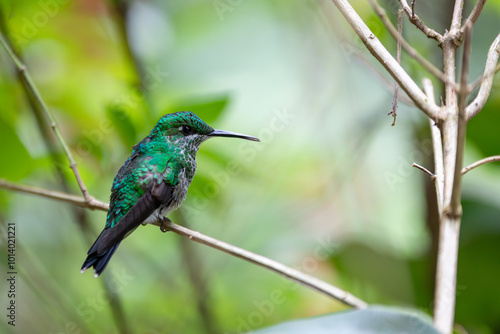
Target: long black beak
x=222, y=133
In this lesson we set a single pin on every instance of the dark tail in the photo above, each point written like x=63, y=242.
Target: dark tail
x=98, y=260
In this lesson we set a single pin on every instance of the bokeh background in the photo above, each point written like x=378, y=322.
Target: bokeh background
x=329, y=190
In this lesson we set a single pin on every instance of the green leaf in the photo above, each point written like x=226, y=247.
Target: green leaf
x=374, y=319
x=209, y=109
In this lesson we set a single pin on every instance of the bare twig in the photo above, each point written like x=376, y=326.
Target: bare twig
x=430, y=33
x=32, y=87
x=425, y=170
x=272, y=265
x=474, y=15
x=487, y=81
x=406, y=46
x=385, y=58
x=478, y=163
x=290, y=273
x=75, y=200
x=394, y=110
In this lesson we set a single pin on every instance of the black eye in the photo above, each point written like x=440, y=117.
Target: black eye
x=185, y=130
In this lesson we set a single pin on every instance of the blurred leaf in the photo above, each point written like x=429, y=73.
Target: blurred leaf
x=208, y=110
x=373, y=274
x=372, y=320
x=13, y=152
x=123, y=124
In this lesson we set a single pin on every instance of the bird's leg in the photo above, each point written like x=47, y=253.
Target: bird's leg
x=161, y=223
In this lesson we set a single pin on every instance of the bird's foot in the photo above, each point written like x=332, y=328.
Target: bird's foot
x=161, y=223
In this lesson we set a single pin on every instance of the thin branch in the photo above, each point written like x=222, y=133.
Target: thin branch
x=272, y=265
x=487, y=82
x=425, y=170
x=406, y=46
x=474, y=15
x=290, y=273
x=23, y=72
x=385, y=58
x=75, y=200
x=479, y=163
x=437, y=148
x=430, y=33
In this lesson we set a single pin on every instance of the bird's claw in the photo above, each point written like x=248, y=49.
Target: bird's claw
x=161, y=224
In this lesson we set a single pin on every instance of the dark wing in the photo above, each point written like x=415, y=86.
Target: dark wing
x=147, y=204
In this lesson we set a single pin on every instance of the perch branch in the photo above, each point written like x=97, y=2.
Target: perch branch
x=75, y=200
x=385, y=58
x=478, y=163
x=290, y=273
x=272, y=265
x=487, y=81
x=30, y=85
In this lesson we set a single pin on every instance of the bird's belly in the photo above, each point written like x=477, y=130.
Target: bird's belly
x=178, y=197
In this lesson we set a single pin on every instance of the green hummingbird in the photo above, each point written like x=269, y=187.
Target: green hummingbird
x=153, y=181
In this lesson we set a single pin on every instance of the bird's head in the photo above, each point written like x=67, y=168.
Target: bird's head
x=185, y=129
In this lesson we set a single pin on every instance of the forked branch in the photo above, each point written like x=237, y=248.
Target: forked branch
x=430, y=33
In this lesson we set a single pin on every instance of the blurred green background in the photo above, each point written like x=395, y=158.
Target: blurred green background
x=329, y=190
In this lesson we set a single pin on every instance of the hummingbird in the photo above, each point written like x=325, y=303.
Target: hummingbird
x=153, y=181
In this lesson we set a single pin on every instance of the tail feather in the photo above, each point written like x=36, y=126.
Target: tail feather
x=98, y=260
